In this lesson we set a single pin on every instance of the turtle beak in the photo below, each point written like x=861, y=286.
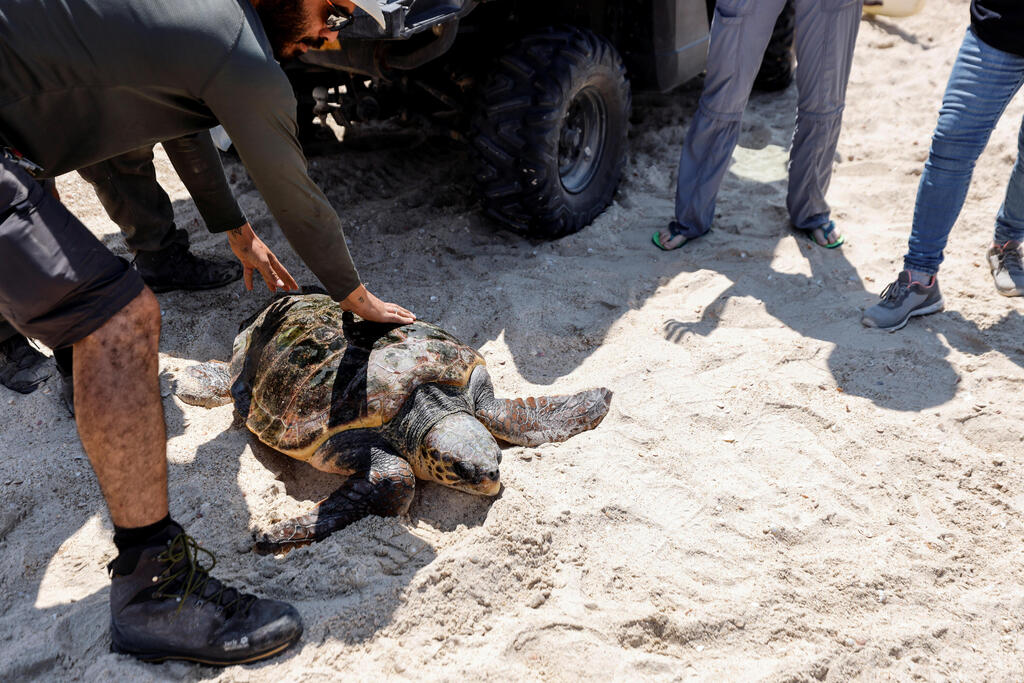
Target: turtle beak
x=372, y=7
x=487, y=487
x=477, y=481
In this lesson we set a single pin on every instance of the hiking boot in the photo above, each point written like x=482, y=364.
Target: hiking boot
x=22, y=366
x=902, y=300
x=169, y=607
x=175, y=267
x=1007, y=269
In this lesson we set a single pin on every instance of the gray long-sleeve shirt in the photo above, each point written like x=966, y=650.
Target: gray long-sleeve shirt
x=84, y=80
x=197, y=163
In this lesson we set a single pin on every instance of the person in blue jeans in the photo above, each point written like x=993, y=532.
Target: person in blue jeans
x=826, y=31
x=988, y=72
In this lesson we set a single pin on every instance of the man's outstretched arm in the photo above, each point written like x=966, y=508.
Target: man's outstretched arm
x=198, y=164
x=256, y=106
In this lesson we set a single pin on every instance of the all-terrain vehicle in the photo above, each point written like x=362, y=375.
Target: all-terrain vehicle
x=540, y=88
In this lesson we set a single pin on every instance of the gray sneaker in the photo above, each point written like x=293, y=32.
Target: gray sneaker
x=900, y=301
x=1007, y=268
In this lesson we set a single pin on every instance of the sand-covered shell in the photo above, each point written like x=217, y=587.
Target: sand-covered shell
x=303, y=371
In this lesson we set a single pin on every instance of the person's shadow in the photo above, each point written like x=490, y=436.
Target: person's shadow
x=826, y=305
x=889, y=369
x=809, y=305
x=70, y=622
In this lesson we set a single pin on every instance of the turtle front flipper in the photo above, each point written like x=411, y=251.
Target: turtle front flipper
x=533, y=421
x=386, y=489
x=207, y=385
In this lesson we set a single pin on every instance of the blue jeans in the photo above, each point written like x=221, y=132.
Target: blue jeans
x=982, y=83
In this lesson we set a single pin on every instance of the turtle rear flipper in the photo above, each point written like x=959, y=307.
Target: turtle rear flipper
x=386, y=490
x=207, y=385
x=533, y=421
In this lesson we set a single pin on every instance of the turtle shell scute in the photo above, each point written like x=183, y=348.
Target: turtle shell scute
x=304, y=371
x=418, y=354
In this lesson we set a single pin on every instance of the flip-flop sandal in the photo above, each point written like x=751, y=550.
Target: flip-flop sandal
x=827, y=230
x=676, y=230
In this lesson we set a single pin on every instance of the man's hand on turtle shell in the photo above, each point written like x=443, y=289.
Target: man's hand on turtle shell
x=255, y=255
x=369, y=307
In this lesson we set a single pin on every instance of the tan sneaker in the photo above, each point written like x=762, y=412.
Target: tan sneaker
x=1007, y=268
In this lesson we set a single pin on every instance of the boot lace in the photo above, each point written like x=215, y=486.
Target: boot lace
x=187, y=575
x=1010, y=258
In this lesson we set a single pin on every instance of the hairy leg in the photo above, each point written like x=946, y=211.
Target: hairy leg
x=120, y=415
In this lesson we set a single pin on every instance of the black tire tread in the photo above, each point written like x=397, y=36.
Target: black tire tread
x=515, y=132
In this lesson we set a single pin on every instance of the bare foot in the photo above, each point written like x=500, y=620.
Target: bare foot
x=828, y=235
x=667, y=241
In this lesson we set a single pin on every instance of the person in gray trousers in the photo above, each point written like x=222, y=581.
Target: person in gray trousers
x=826, y=31
x=127, y=187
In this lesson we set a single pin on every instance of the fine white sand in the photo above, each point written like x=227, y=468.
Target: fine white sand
x=777, y=492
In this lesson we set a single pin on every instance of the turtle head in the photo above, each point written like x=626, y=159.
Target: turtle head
x=459, y=452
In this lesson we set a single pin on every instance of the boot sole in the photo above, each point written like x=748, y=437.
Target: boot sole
x=934, y=308
x=158, y=657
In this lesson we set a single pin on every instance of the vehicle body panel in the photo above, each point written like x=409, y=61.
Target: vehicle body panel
x=663, y=42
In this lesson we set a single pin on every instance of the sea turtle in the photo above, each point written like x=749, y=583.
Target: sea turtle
x=381, y=404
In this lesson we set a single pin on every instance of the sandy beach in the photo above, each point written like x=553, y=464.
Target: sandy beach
x=776, y=494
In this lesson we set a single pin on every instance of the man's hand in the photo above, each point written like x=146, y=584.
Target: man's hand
x=255, y=255
x=369, y=307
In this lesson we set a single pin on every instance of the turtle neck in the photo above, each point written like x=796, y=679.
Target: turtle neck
x=428, y=405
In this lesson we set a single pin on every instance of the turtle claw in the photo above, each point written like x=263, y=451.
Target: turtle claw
x=288, y=535
x=315, y=525
x=384, y=491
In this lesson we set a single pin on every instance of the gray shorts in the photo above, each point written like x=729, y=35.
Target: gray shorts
x=58, y=283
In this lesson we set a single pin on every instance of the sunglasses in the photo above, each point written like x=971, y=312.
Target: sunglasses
x=337, y=17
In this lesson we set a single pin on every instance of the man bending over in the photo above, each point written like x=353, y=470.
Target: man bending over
x=86, y=80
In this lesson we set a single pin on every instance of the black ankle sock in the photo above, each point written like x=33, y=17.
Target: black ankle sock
x=132, y=541
x=64, y=358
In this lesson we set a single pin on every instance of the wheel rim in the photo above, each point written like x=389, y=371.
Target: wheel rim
x=582, y=140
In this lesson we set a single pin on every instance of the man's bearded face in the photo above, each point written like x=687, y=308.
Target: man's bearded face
x=288, y=26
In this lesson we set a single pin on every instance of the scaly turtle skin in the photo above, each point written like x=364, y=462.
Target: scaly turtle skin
x=381, y=404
